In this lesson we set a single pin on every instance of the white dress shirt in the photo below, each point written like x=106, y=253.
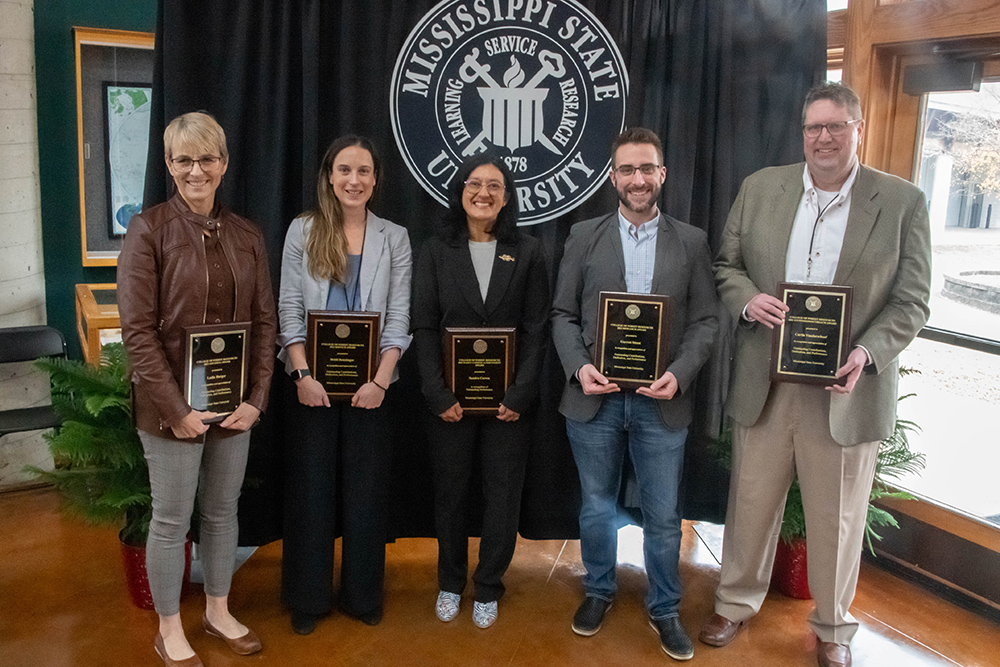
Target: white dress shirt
x=818, y=232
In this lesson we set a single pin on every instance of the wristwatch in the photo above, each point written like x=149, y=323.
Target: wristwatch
x=299, y=373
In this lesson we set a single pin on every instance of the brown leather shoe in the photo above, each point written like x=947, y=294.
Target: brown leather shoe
x=193, y=661
x=829, y=654
x=245, y=645
x=719, y=630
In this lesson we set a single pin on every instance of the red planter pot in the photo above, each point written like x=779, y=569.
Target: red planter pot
x=790, y=575
x=136, y=580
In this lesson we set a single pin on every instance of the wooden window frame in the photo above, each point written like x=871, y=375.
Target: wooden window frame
x=874, y=40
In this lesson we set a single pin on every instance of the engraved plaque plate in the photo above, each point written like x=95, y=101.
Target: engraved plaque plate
x=479, y=366
x=216, y=363
x=633, y=338
x=814, y=340
x=342, y=349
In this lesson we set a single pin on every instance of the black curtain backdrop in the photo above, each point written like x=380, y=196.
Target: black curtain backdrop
x=721, y=82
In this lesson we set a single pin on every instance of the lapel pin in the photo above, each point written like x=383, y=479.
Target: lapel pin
x=507, y=258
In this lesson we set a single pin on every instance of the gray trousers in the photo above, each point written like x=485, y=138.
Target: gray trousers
x=177, y=471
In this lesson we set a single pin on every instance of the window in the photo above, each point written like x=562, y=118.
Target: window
x=957, y=391
x=959, y=172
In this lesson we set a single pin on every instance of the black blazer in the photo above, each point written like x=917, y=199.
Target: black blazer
x=446, y=294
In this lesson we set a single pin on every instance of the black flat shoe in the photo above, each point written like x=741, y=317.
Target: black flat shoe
x=373, y=617
x=303, y=623
x=673, y=639
x=370, y=617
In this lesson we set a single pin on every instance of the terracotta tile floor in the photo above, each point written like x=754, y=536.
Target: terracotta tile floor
x=63, y=603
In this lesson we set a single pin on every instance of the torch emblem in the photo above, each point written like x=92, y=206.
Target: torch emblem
x=512, y=113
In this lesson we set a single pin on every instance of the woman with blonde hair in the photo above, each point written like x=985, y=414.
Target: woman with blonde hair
x=342, y=257
x=190, y=261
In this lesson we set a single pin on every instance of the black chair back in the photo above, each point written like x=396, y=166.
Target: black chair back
x=30, y=343
x=19, y=344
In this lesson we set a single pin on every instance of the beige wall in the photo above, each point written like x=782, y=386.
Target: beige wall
x=22, y=286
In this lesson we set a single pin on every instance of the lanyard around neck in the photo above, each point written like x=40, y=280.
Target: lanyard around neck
x=812, y=237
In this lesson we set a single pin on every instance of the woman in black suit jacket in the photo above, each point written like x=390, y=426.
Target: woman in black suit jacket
x=479, y=272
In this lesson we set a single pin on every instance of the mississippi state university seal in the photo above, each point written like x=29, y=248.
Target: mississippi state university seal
x=538, y=81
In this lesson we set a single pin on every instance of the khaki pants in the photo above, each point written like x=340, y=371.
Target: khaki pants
x=792, y=436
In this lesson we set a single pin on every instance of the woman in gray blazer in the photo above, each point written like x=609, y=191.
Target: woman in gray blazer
x=340, y=257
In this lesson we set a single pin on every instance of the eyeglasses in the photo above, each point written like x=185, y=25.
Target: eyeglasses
x=626, y=170
x=492, y=187
x=207, y=163
x=835, y=129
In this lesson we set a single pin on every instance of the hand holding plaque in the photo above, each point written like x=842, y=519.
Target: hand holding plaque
x=479, y=366
x=342, y=350
x=814, y=340
x=633, y=338
x=216, y=362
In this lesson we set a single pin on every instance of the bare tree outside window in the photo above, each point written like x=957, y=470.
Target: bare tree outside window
x=971, y=137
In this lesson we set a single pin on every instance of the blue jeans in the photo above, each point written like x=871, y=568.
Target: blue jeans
x=657, y=451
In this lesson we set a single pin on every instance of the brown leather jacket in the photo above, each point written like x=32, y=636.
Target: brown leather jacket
x=163, y=287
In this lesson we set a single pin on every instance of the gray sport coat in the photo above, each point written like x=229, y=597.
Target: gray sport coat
x=594, y=261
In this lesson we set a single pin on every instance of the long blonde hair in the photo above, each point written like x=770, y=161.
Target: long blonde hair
x=326, y=243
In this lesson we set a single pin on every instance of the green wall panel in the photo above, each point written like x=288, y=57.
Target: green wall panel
x=55, y=74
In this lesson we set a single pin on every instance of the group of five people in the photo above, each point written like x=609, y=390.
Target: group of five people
x=830, y=220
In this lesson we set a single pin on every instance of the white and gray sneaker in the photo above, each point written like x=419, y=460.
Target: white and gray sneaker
x=484, y=614
x=447, y=605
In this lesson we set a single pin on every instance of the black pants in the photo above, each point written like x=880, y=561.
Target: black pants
x=501, y=449
x=337, y=459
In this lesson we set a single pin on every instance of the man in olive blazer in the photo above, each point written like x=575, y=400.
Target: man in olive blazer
x=830, y=221
x=885, y=258
x=640, y=250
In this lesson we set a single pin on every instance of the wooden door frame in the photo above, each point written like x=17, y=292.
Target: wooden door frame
x=879, y=38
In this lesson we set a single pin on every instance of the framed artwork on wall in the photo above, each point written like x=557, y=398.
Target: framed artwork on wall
x=114, y=73
x=126, y=136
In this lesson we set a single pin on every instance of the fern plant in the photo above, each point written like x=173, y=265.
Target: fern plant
x=895, y=459
x=100, y=468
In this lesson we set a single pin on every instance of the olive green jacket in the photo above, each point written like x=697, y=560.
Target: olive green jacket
x=886, y=257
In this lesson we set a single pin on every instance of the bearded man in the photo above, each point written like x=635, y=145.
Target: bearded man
x=640, y=250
